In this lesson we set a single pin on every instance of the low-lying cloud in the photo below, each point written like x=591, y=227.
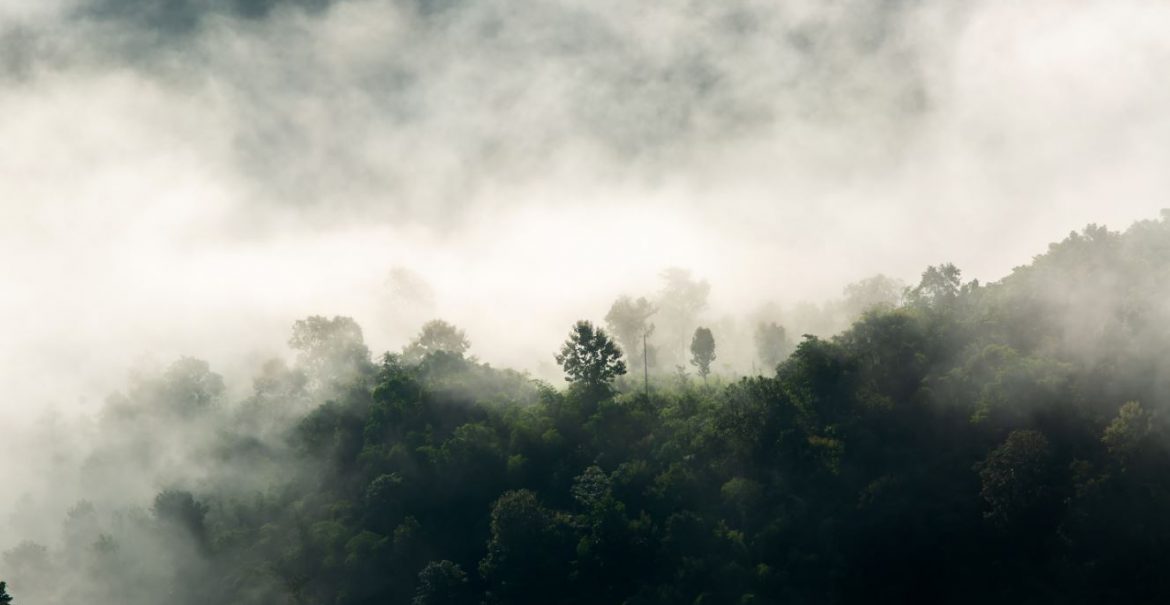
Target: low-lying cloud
x=190, y=177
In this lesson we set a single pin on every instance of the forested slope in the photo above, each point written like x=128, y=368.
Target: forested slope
x=1005, y=442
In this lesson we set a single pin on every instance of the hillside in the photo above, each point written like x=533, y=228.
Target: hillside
x=1001, y=442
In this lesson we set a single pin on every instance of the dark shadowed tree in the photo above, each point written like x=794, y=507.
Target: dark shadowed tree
x=5, y=598
x=1015, y=476
x=590, y=357
x=180, y=510
x=436, y=335
x=1126, y=434
x=443, y=583
x=529, y=551
x=702, y=351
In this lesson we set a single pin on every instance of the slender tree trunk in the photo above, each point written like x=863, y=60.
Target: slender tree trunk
x=645, y=366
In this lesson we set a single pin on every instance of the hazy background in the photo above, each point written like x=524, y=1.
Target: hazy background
x=190, y=176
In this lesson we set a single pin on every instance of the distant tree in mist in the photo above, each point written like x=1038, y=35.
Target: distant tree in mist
x=681, y=300
x=329, y=350
x=877, y=292
x=28, y=560
x=590, y=357
x=278, y=382
x=187, y=386
x=939, y=286
x=702, y=351
x=5, y=598
x=772, y=345
x=436, y=335
x=410, y=288
x=628, y=321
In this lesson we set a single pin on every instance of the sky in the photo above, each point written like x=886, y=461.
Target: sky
x=188, y=177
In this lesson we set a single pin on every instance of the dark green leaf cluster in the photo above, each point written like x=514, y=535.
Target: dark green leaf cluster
x=590, y=357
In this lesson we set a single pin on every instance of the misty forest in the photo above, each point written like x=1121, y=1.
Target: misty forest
x=959, y=442
x=584, y=302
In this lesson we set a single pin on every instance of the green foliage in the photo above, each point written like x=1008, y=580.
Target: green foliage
x=589, y=357
x=528, y=553
x=1016, y=477
x=5, y=598
x=443, y=583
x=938, y=288
x=976, y=444
x=1124, y=436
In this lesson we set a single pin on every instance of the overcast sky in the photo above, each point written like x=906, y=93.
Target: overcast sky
x=190, y=176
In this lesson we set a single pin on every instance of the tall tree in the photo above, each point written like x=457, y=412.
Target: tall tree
x=1015, y=477
x=590, y=357
x=528, y=553
x=436, y=335
x=877, y=292
x=702, y=351
x=5, y=598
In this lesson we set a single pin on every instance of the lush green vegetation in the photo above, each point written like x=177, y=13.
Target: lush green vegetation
x=976, y=443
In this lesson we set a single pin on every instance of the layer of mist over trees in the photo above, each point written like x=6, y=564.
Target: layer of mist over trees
x=957, y=442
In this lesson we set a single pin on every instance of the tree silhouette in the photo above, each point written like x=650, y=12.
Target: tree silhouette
x=702, y=351
x=590, y=357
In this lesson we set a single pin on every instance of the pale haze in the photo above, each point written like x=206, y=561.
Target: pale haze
x=189, y=178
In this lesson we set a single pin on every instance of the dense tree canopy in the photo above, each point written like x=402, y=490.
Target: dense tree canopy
x=973, y=444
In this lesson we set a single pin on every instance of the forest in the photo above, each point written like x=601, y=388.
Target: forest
x=957, y=442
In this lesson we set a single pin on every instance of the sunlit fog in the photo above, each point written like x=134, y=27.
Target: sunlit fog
x=285, y=288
